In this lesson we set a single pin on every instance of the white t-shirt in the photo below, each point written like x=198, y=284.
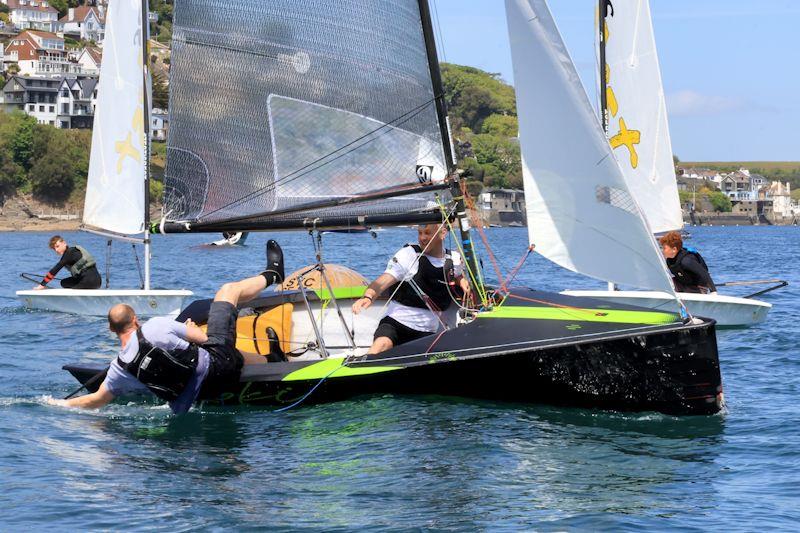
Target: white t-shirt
x=403, y=266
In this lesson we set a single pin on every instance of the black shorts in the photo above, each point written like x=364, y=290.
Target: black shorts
x=398, y=333
x=225, y=362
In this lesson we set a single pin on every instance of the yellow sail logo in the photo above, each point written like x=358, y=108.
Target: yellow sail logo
x=125, y=148
x=624, y=137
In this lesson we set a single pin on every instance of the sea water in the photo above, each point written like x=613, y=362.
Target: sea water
x=391, y=462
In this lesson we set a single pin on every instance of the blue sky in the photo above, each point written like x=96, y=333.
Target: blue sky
x=731, y=69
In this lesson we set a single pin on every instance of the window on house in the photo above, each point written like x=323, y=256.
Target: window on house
x=64, y=124
x=52, y=109
x=65, y=108
x=41, y=109
x=51, y=122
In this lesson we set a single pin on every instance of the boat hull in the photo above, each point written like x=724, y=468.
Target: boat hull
x=96, y=302
x=727, y=311
x=576, y=358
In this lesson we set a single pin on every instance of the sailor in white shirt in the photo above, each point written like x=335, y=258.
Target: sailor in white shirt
x=430, y=277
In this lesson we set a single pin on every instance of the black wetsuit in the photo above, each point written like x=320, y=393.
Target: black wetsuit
x=689, y=274
x=89, y=278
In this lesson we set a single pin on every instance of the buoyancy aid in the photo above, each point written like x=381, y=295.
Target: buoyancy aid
x=682, y=275
x=165, y=373
x=85, y=262
x=436, y=283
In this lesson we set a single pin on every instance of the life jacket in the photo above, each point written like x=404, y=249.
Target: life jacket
x=165, y=373
x=436, y=283
x=84, y=263
x=685, y=277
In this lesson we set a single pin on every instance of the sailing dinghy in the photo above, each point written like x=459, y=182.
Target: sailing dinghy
x=117, y=197
x=345, y=123
x=634, y=114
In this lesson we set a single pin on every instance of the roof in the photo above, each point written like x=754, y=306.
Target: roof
x=42, y=34
x=80, y=13
x=94, y=53
x=34, y=5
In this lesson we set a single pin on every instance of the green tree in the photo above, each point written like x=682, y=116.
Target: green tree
x=160, y=91
x=61, y=163
x=720, y=201
x=501, y=125
x=22, y=140
x=499, y=158
x=473, y=95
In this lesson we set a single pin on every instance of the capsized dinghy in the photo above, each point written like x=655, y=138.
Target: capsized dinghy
x=536, y=347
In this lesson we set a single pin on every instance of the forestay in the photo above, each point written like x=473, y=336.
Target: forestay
x=637, y=115
x=115, y=187
x=280, y=106
x=580, y=212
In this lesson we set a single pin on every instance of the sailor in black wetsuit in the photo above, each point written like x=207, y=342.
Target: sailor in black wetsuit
x=81, y=265
x=429, y=276
x=688, y=268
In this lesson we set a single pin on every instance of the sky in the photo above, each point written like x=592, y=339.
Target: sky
x=730, y=68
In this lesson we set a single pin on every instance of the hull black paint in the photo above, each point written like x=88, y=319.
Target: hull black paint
x=671, y=368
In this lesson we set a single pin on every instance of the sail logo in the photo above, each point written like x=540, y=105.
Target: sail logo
x=624, y=137
x=424, y=173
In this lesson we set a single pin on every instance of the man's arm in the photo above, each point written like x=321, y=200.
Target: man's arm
x=94, y=400
x=375, y=289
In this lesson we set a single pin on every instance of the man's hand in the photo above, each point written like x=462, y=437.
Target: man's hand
x=464, y=284
x=361, y=303
x=38, y=287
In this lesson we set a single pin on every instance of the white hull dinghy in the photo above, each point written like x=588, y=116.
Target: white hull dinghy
x=116, y=202
x=96, y=302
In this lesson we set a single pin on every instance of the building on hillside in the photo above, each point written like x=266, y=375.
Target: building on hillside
x=32, y=14
x=36, y=96
x=77, y=99
x=40, y=54
x=738, y=186
x=159, y=124
x=84, y=22
x=781, y=195
x=503, y=207
x=61, y=102
x=88, y=60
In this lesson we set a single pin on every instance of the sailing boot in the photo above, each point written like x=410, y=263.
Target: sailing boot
x=274, y=271
x=275, y=354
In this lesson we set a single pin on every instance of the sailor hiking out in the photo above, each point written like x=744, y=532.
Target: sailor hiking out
x=688, y=268
x=422, y=281
x=179, y=362
x=80, y=263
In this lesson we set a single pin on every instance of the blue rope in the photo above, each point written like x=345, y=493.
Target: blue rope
x=306, y=395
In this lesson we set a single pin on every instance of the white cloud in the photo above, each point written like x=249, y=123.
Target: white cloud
x=689, y=103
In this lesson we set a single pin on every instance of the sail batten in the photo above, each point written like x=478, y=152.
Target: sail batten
x=317, y=100
x=638, y=127
x=581, y=213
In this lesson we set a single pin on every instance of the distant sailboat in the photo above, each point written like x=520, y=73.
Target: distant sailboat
x=117, y=196
x=634, y=114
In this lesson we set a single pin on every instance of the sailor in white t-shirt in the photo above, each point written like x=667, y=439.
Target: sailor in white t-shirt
x=424, y=302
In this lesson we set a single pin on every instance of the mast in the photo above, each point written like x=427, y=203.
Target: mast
x=441, y=111
x=146, y=144
x=601, y=45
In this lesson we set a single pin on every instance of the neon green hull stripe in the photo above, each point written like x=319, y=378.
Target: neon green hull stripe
x=340, y=293
x=581, y=315
x=329, y=367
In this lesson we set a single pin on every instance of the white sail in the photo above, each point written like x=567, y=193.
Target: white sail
x=115, y=188
x=580, y=212
x=637, y=115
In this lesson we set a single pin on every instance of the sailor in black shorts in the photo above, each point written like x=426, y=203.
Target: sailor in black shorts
x=423, y=279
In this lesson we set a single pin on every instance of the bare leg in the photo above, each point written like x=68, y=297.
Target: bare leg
x=254, y=359
x=241, y=291
x=381, y=344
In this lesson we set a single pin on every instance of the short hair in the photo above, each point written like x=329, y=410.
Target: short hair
x=121, y=318
x=53, y=240
x=671, y=239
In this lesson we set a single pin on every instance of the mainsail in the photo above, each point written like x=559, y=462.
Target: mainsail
x=115, y=190
x=281, y=109
x=636, y=112
x=581, y=214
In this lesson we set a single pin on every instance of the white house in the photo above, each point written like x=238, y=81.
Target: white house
x=88, y=60
x=84, y=22
x=77, y=99
x=32, y=14
x=781, y=198
x=40, y=54
x=60, y=102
